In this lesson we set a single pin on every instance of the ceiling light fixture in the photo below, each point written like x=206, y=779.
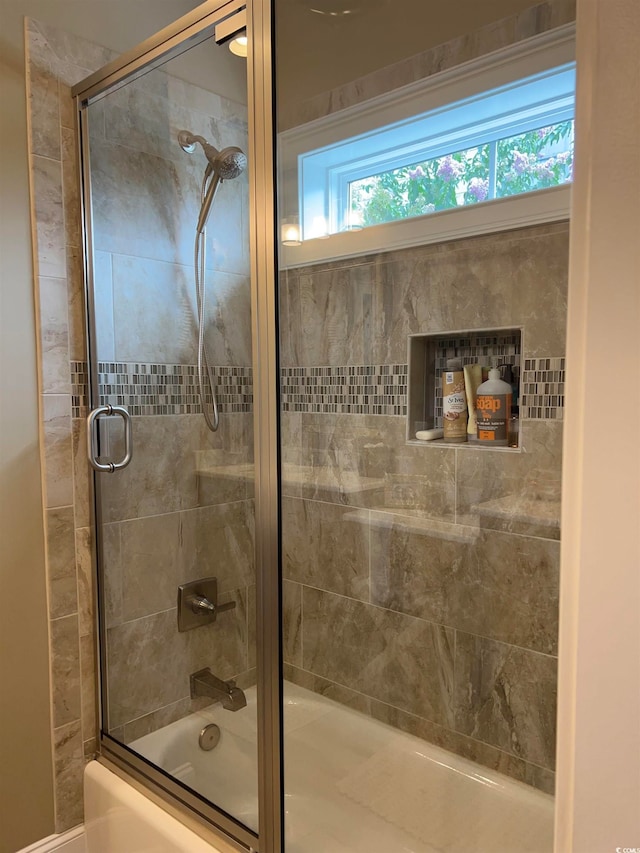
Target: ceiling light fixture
x=238, y=45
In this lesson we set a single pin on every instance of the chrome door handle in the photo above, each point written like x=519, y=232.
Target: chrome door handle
x=92, y=438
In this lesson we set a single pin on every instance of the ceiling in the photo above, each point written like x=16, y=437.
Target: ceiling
x=322, y=44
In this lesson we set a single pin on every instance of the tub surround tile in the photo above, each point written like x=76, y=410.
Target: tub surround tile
x=218, y=541
x=68, y=767
x=162, y=717
x=506, y=696
x=61, y=567
x=88, y=683
x=324, y=547
x=71, y=188
x=76, y=304
x=43, y=107
x=58, y=479
x=392, y=657
x=103, y=295
x=138, y=686
x=113, y=580
x=292, y=623
x=85, y=574
x=491, y=584
x=54, y=335
x=534, y=474
x=82, y=487
x=164, y=477
x=150, y=549
x=49, y=217
x=65, y=669
x=474, y=750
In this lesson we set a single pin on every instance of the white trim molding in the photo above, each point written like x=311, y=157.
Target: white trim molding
x=72, y=841
x=534, y=56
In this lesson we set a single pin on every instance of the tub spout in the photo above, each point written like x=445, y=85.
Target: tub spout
x=205, y=683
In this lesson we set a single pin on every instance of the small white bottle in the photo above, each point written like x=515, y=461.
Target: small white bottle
x=493, y=407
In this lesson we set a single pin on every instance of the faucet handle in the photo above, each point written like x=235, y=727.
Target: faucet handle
x=200, y=603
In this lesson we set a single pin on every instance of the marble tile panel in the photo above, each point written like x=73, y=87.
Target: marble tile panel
x=112, y=568
x=58, y=478
x=54, y=335
x=533, y=474
x=76, y=306
x=292, y=622
x=65, y=670
x=218, y=541
x=90, y=749
x=228, y=328
x=509, y=591
x=61, y=562
x=138, y=686
x=162, y=717
x=65, y=50
x=66, y=106
x=81, y=476
x=540, y=291
x=71, y=188
x=150, y=559
x=86, y=587
x=291, y=444
x=493, y=584
x=482, y=753
x=43, y=108
x=162, y=477
x=506, y=697
x=147, y=206
x=88, y=685
x=324, y=546
x=68, y=767
x=395, y=658
x=49, y=217
x=154, y=313
x=103, y=296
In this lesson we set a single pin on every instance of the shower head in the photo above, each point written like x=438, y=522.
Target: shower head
x=230, y=163
x=227, y=164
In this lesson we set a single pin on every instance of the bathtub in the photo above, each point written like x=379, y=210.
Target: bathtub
x=355, y=785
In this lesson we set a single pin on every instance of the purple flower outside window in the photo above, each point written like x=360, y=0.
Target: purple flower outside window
x=478, y=188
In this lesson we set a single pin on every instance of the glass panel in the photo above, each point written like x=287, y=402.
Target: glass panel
x=169, y=196
x=420, y=576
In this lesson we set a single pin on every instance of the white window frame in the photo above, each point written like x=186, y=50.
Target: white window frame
x=316, y=155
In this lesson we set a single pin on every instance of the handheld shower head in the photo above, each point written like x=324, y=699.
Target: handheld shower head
x=230, y=163
x=227, y=164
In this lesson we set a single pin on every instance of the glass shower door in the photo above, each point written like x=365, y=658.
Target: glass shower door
x=171, y=431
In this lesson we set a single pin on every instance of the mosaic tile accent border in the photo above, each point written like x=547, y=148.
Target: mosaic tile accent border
x=543, y=388
x=366, y=389
x=161, y=389
x=369, y=389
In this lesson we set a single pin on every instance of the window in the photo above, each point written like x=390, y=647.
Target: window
x=489, y=131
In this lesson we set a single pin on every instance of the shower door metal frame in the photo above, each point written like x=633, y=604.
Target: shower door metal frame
x=186, y=32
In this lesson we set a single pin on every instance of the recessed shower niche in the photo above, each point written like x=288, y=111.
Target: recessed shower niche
x=427, y=359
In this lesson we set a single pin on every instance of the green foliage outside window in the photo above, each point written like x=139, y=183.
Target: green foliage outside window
x=524, y=163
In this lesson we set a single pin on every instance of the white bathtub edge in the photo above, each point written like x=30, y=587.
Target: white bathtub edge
x=72, y=841
x=120, y=817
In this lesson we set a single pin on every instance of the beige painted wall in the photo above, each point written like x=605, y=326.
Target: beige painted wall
x=598, y=777
x=26, y=805
x=26, y=792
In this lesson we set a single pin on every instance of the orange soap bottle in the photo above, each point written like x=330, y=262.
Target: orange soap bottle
x=493, y=407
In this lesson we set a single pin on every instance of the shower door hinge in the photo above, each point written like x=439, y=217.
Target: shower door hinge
x=230, y=27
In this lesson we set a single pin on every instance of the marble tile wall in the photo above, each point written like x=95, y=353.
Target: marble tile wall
x=136, y=147
x=422, y=581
